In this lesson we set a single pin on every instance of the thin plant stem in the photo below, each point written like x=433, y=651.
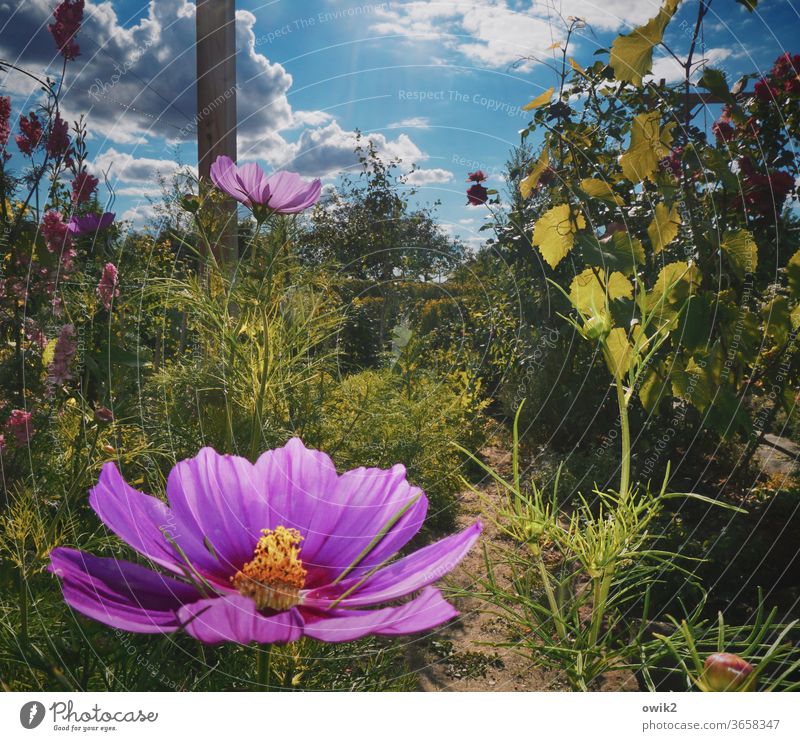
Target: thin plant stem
x=263, y=667
x=625, y=466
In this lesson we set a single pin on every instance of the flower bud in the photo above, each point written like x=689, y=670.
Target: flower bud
x=104, y=415
x=190, y=203
x=725, y=672
x=597, y=327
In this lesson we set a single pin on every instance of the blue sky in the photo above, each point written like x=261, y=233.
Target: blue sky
x=437, y=84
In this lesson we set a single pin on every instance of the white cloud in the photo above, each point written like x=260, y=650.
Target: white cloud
x=139, y=215
x=127, y=168
x=429, y=176
x=666, y=68
x=497, y=33
x=139, y=80
x=330, y=149
x=136, y=84
x=416, y=122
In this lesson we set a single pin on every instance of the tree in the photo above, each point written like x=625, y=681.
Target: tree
x=368, y=228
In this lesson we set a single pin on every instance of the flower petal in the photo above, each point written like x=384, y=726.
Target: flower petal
x=223, y=174
x=427, y=611
x=252, y=178
x=368, y=499
x=301, y=484
x=235, y=618
x=404, y=576
x=289, y=193
x=121, y=594
x=142, y=521
x=223, y=498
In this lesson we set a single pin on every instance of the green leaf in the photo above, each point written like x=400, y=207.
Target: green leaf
x=751, y=5
x=742, y=251
x=793, y=274
x=653, y=387
x=601, y=190
x=664, y=227
x=692, y=384
x=676, y=282
x=540, y=100
x=777, y=319
x=619, y=252
x=554, y=233
x=726, y=415
x=120, y=356
x=632, y=54
x=647, y=147
x=714, y=81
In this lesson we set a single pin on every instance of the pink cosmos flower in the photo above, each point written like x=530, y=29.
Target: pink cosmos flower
x=68, y=17
x=282, y=192
x=20, y=426
x=80, y=226
x=83, y=187
x=107, y=288
x=268, y=552
x=31, y=133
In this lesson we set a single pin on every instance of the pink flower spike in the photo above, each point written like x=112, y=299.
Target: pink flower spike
x=20, y=426
x=83, y=187
x=59, y=372
x=68, y=18
x=107, y=288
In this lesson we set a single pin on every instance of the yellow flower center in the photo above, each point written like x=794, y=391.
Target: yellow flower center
x=275, y=576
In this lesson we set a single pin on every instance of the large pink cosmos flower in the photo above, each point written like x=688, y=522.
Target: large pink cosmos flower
x=282, y=192
x=267, y=552
x=91, y=223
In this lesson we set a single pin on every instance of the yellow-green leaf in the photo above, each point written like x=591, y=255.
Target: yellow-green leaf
x=601, y=190
x=540, y=100
x=646, y=148
x=742, y=251
x=554, y=233
x=652, y=387
x=632, y=54
x=664, y=227
x=49, y=352
x=618, y=352
x=528, y=183
x=580, y=70
x=590, y=289
x=793, y=274
x=676, y=281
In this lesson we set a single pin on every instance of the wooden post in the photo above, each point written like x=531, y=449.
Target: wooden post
x=216, y=107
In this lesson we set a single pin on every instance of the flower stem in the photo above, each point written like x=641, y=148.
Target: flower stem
x=263, y=659
x=625, y=467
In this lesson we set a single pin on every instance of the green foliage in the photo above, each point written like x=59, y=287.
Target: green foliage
x=378, y=418
x=368, y=230
x=674, y=201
